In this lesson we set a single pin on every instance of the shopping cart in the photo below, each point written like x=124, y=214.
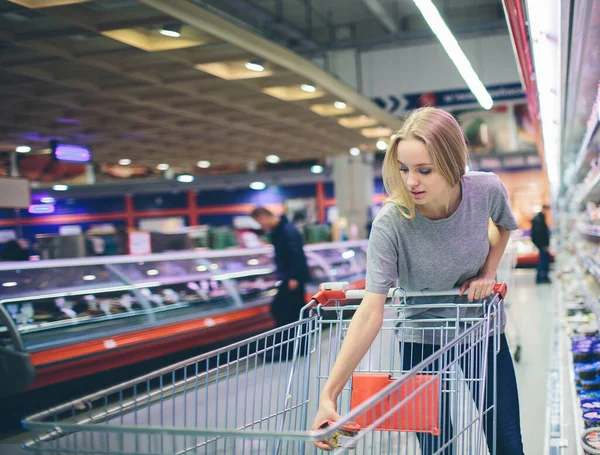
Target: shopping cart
x=245, y=399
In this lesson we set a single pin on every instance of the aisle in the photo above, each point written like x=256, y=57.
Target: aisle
x=530, y=313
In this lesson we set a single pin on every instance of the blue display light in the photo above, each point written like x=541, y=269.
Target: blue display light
x=38, y=209
x=72, y=153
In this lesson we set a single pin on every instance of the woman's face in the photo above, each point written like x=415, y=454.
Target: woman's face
x=425, y=184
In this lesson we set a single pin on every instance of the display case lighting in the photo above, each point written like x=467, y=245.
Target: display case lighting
x=340, y=105
x=162, y=167
x=23, y=149
x=258, y=186
x=544, y=25
x=354, y=151
x=9, y=284
x=381, y=145
x=242, y=274
x=60, y=187
x=203, y=164
x=273, y=159
x=316, y=169
x=89, y=277
x=185, y=178
x=40, y=208
x=348, y=254
x=308, y=88
x=125, y=162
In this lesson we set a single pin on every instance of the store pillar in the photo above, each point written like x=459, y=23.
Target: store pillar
x=353, y=182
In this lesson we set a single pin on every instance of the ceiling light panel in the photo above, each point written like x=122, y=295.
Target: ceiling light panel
x=293, y=93
x=361, y=121
x=376, y=132
x=330, y=110
x=234, y=70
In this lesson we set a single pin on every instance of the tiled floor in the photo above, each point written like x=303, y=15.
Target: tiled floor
x=530, y=321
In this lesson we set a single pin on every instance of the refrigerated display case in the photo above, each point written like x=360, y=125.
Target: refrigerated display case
x=77, y=317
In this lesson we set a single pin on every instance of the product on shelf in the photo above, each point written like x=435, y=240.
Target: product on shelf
x=126, y=302
x=591, y=441
x=590, y=404
x=591, y=418
x=65, y=307
x=587, y=372
x=593, y=384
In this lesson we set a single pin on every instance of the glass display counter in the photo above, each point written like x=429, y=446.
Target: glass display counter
x=78, y=310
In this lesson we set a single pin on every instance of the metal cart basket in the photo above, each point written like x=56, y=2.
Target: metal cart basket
x=259, y=396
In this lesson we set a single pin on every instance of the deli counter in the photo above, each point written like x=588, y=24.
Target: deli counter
x=77, y=317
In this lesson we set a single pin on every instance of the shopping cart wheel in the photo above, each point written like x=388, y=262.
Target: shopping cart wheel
x=517, y=354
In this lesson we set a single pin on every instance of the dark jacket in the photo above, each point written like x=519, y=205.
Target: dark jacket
x=289, y=252
x=14, y=252
x=540, y=234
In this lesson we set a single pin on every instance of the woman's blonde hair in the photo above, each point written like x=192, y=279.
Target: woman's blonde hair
x=447, y=147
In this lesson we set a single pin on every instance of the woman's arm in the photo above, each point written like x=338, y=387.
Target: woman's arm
x=363, y=329
x=498, y=237
x=483, y=284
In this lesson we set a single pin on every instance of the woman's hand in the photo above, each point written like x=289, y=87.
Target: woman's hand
x=479, y=287
x=327, y=411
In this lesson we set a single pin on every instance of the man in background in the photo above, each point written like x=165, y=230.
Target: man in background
x=540, y=236
x=292, y=267
x=15, y=250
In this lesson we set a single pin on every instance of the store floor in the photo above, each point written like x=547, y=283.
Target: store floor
x=529, y=325
x=530, y=317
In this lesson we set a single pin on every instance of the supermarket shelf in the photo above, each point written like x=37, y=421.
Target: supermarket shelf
x=591, y=231
x=591, y=191
x=591, y=295
x=591, y=266
x=584, y=150
x=568, y=381
x=563, y=405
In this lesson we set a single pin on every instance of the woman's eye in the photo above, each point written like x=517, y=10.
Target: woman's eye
x=425, y=171
x=403, y=169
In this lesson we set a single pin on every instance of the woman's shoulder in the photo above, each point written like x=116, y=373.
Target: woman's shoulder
x=388, y=216
x=483, y=180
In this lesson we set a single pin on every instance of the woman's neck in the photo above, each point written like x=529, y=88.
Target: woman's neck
x=444, y=206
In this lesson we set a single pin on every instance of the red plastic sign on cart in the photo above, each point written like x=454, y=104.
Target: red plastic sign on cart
x=419, y=414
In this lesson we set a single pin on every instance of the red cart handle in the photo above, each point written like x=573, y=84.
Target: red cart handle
x=336, y=291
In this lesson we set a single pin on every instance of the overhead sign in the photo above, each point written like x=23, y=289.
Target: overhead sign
x=398, y=104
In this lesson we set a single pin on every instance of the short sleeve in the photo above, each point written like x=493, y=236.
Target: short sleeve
x=500, y=211
x=382, y=261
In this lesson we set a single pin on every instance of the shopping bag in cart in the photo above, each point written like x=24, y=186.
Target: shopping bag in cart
x=419, y=411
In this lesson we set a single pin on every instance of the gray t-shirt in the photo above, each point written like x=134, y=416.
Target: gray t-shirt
x=436, y=255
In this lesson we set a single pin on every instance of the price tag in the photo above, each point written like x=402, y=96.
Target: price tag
x=139, y=243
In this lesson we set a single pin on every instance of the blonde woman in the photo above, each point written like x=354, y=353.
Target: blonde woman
x=434, y=234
